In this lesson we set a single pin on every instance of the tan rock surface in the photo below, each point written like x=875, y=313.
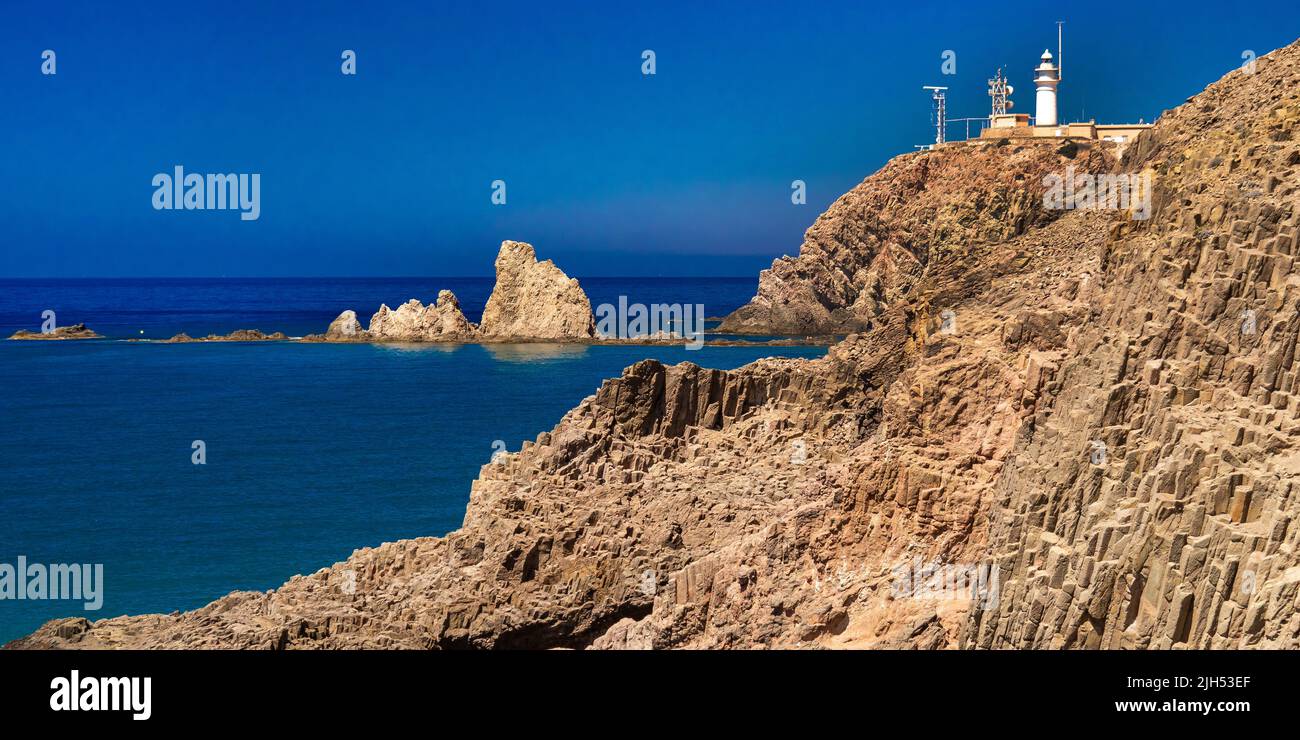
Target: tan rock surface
x=346, y=328
x=239, y=335
x=773, y=505
x=535, y=300
x=415, y=322
x=869, y=248
x=76, y=331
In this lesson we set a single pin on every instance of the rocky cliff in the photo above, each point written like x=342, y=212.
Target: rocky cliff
x=1100, y=411
x=872, y=245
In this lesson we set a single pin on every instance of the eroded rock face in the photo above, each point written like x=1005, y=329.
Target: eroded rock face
x=535, y=300
x=784, y=504
x=346, y=328
x=870, y=247
x=1182, y=532
x=415, y=322
x=530, y=300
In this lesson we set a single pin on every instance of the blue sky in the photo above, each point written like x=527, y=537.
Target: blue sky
x=608, y=171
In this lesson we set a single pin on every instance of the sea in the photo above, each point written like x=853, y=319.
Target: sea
x=310, y=451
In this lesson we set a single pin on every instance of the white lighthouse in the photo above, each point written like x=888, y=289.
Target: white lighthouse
x=1046, y=77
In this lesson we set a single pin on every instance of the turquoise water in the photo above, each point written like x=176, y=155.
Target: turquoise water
x=312, y=451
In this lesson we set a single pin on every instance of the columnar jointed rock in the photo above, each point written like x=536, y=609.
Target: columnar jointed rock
x=535, y=300
x=1106, y=410
x=415, y=322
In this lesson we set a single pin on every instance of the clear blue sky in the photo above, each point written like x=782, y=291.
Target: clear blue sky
x=608, y=172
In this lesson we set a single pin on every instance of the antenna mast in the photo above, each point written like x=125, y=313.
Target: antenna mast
x=1000, y=91
x=941, y=112
x=1060, y=54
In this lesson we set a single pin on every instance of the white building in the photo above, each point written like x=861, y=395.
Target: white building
x=1046, y=77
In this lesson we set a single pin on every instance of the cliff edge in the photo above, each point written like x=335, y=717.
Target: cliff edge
x=1100, y=413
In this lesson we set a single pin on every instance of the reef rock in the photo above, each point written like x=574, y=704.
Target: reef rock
x=415, y=322
x=76, y=331
x=535, y=300
x=346, y=328
x=239, y=335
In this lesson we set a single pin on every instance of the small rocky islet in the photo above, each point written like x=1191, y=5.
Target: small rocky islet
x=532, y=301
x=76, y=331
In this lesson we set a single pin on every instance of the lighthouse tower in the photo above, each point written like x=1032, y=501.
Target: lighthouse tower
x=1046, y=77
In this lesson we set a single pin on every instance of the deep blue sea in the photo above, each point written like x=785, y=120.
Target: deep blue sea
x=313, y=450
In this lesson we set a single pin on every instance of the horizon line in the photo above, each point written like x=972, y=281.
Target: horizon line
x=368, y=277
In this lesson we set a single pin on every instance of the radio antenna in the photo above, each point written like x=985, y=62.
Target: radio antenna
x=1060, y=53
x=941, y=112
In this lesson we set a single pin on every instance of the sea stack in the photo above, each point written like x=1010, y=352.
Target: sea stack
x=346, y=328
x=535, y=300
x=531, y=300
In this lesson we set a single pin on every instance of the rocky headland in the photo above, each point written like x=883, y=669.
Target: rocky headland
x=871, y=247
x=1104, y=410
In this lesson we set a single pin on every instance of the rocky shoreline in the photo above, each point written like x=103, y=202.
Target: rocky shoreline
x=1102, y=412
